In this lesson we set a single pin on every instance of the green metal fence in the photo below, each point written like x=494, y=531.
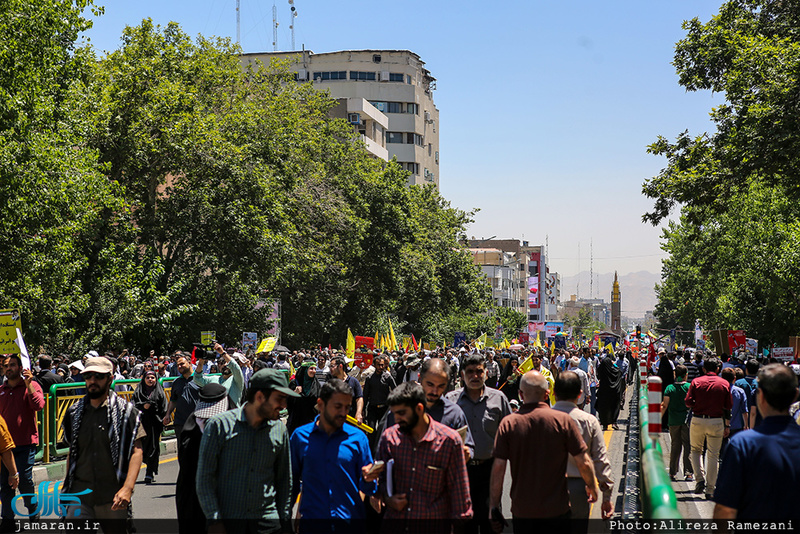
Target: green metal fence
x=61, y=397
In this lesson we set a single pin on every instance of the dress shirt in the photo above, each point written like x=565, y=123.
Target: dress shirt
x=432, y=473
x=483, y=417
x=592, y=435
x=329, y=469
x=709, y=395
x=18, y=407
x=244, y=472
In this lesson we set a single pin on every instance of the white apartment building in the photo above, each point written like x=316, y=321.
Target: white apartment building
x=396, y=84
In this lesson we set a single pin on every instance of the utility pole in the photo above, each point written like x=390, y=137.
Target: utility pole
x=274, y=28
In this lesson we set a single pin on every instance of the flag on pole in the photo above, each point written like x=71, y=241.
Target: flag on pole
x=392, y=339
x=350, y=349
x=414, y=342
x=23, y=350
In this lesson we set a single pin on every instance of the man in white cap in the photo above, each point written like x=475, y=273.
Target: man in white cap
x=105, y=451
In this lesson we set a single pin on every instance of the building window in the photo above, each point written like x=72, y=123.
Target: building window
x=361, y=75
x=437, y=157
x=414, y=139
x=334, y=75
x=408, y=79
x=411, y=167
x=380, y=106
x=396, y=77
x=430, y=149
x=394, y=137
x=412, y=108
x=393, y=107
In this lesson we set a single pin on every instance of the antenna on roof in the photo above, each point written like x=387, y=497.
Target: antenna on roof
x=291, y=25
x=274, y=28
x=238, y=22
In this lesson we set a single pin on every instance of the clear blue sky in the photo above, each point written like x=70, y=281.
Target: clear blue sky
x=546, y=108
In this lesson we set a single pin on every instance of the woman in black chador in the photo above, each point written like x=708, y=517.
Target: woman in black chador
x=608, y=394
x=151, y=400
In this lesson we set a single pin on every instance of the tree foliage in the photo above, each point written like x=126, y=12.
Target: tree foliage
x=166, y=190
x=733, y=253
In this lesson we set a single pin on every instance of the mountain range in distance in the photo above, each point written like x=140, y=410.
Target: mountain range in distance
x=637, y=290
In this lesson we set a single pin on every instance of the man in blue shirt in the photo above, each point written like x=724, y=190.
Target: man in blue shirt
x=760, y=473
x=331, y=463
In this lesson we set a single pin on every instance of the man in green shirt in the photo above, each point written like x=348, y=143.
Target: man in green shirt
x=244, y=476
x=231, y=379
x=675, y=408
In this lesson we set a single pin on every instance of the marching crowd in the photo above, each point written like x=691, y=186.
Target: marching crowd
x=265, y=444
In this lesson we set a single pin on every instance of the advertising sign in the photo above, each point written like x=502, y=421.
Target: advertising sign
x=551, y=329
x=524, y=338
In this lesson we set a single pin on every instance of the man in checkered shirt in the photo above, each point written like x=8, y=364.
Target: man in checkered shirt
x=429, y=477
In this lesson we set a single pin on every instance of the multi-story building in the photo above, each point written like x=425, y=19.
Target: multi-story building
x=395, y=83
x=506, y=273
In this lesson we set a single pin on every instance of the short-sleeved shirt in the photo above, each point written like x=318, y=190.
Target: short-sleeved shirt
x=357, y=392
x=94, y=468
x=740, y=409
x=760, y=474
x=709, y=395
x=483, y=417
x=185, y=393
x=329, y=467
x=677, y=409
x=537, y=440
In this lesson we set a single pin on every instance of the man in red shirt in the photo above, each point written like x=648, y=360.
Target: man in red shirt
x=20, y=398
x=430, y=487
x=709, y=398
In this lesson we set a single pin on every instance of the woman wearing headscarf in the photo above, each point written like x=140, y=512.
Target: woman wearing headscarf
x=509, y=379
x=609, y=391
x=303, y=409
x=151, y=401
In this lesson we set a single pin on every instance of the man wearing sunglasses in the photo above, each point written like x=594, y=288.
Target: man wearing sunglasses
x=105, y=451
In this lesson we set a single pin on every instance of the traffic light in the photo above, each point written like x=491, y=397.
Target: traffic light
x=638, y=331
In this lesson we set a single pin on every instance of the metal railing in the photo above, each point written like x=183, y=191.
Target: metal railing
x=61, y=397
x=657, y=497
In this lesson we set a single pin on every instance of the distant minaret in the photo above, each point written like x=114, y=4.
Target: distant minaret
x=616, y=319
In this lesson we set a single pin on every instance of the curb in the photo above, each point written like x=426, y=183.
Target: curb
x=58, y=470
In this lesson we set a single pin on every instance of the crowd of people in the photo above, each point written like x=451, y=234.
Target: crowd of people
x=265, y=442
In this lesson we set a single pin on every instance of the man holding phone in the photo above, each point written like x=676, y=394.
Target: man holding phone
x=331, y=463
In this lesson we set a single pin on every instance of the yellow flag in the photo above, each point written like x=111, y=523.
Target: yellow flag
x=610, y=349
x=537, y=343
x=378, y=340
x=350, y=348
x=392, y=339
x=526, y=365
x=600, y=345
